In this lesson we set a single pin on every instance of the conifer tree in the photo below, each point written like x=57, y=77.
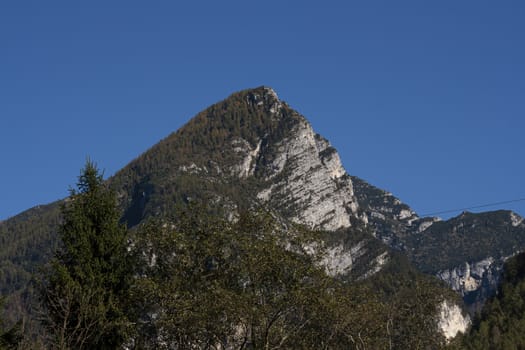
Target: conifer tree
x=86, y=283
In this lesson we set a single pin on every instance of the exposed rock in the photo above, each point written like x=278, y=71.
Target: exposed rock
x=475, y=282
x=249, y=157
x=339, y=260
x=515, y=219
x=426, y=223
x=316, y=190
x=192, y=169
x=471, y=276
x=451, y=320
x=376, y=265
x=390, y=218
x=405, y=214
x=267, y=99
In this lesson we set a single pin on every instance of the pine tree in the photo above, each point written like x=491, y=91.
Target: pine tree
x=85, y=286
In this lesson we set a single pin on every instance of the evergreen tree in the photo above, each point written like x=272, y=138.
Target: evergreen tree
x=84, y=289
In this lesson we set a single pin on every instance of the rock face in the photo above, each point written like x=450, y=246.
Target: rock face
x=301, y=176
x=476, y=281
x=247, y=166
x=391, y=220
x=470, y=277
x=339, y=260
x=451, y=320
x=516, y=219
x=303, y=173
x=316, y=188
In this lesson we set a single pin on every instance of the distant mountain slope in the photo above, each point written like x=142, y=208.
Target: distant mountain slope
x=476, y=236
x=467, y=252
x=25, y=241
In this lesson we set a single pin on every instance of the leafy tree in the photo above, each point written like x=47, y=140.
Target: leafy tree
x=411, y=304
x=209, y=284
x=85, y=285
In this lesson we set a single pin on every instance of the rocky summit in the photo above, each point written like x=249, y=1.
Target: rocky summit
x=256, y=142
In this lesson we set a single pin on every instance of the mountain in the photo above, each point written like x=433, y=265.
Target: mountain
x=253, y=150
x=250, y=145
x=467, y=252
x=26, y=240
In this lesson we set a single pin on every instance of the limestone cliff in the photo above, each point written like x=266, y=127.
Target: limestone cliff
x=452, y=320
x=316, y=188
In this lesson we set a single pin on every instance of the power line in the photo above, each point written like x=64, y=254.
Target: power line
x=474, y=207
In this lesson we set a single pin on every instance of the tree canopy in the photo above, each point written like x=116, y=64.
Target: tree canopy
x=198, y=280
x=85, y=284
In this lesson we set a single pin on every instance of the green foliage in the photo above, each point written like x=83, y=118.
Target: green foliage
x=208, y=283
x=412, y=301
x=26, y=242
x=86, y=282
x=501, y=324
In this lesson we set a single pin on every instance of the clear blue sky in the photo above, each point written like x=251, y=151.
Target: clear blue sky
x=423, y=98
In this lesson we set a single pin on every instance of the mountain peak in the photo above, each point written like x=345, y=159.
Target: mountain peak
x=268, y=91
x=261, y=90
x=255, y=141
x=264, y=97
